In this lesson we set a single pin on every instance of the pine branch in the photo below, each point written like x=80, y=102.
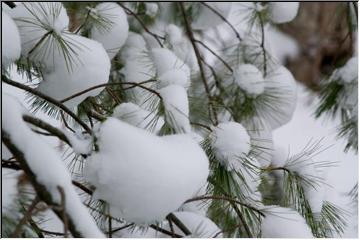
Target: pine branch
x=47, y=98
x=40, y=189
x=198, y=56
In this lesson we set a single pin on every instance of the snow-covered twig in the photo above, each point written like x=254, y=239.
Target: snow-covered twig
x=47, y=98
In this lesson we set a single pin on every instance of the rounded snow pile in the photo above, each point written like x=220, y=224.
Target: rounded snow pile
x=281, y=86
x=249, y=79
x=35, y=20
x=281, y=12
x=282, y=222
x=113, y=37
x=136, y=116
x=90, y=67
x=10, y=44
x=230, y=142
x=142, y=176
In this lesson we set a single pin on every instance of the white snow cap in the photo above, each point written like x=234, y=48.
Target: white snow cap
x=113, y=37
x=206, y=18
x=281, y=84
x=282, y=222
x=165, y=60
x=10, y=44
x=281, y=12
x=33, y=20
x=349, y=72
x=91, y=66
x=134, y=167
x=176, y=105
x=249, y=79
x=230, y=142
x=136, y=116
x=47, y=166
x=151, y=9
x=176, y=77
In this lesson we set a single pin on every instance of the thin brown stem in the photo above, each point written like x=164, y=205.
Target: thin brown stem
x=178, y=223
x=47, y=98
x=198, y=57
x=159, y=229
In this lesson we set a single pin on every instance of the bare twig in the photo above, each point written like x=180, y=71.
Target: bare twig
x=47, y=98
x=198, y=57
x=159, y=229
x=25, y=218
x=178, y=223
x=113, y=84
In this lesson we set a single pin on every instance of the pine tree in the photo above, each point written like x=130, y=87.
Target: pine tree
x=167, y=124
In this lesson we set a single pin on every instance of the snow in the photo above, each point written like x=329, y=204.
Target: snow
x=249, y=79
x=81, y=144
x=206, y=18
x=134, y=45
x=349, y=72
x=198, y=225
x=136, y=116
x=279, y=84
x=91, y=66
x=198, y=207
x=165, y=60
x=151, y=9
x=282, y=12
x=134, y=167
x=176, y=77
x=114, y=36
x=10, y=44
x=282, y=222
x=176, y=105
x=230, y=142
x=47, y=166
x=34, y=21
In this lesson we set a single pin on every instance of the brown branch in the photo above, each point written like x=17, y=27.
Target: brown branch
x=198, y=57
x=47, y=98
x=159, y=229
x=224, y=19
x=120, y=228
x=178, y=223
x=215, y=54
x=130, y=12
x=113, y=84
x=40, y=189
x=25, y=218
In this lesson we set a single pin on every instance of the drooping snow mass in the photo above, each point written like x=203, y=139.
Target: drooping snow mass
x=81, y=144
x=91, y=67
x=10, y=42
x=47, y=166
x=136, y=116
x=176, y=105
x=134, y=167
x=199, y=226
x=349, y=72
x=230, y=142
x=281, y=85
x=165, y=60
x=176, y=77
x=206, y=18
x=282, y=222
x=281, y=12
x=134, y=46
x=34, y=20
x=114, y=36
x=249, y=79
